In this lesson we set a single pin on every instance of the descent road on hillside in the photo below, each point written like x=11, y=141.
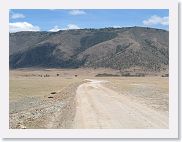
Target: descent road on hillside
x=101, y=107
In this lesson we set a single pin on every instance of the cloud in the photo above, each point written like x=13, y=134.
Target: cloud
x=14, y=15
x=22, y=26
x=77, y=12
x=115, y=26
x=68, y=27
x=55, y=29
x=71, y=26
x=156, y=20
x=52, y=9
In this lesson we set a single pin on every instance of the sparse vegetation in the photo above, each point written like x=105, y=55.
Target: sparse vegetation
x=51, y=73
x=106, y=75
x=127, y=74
x=36, y=86
x=121, y=49
x=34, y=104
x=165, y=75
x=49, y=102
x=97, y=37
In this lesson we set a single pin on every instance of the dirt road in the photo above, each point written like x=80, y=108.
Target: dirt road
x=101, y=107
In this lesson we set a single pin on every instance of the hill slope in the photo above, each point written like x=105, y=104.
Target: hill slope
x=121, y=48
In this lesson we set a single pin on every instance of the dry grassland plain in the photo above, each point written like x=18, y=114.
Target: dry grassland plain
x=63, y=98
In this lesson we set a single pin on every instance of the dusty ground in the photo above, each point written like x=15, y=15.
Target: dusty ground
x=101, y=107
x=33, y=106
x=102, y=102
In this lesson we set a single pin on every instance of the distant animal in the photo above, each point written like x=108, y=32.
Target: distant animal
x=53, y=92
x=46, y=75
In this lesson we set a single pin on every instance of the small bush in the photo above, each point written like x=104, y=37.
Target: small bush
x=53, y=92
x=133, y=75
x=165, y=75
x=106, y=75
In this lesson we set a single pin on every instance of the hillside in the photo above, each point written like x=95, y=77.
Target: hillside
x=131, y=48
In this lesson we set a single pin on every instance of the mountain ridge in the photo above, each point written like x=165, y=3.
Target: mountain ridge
x=118, y=48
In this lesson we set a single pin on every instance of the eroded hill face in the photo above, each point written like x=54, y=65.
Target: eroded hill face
x=123, y=48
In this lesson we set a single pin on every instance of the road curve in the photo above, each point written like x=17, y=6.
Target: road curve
x=102, y=108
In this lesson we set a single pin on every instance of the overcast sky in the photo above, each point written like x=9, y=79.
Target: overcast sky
x=54, y=20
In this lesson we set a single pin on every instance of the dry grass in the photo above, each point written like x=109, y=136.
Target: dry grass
x=28, y=83
x=150, y=91
x=28, y=90
x=127, y=83
x=36, y=86
x=30, y=102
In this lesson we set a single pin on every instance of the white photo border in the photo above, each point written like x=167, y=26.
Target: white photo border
x=172, y=132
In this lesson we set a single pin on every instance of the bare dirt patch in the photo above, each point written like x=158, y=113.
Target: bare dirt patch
x=55, y=112
x=78, y=99
x=152, y=92
x=37, y=102
x=100, y=106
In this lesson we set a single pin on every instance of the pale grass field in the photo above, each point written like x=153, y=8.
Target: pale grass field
x=150, y=91
x=33, y=86
x=127, y=83
x=37, y=87
x=28, y=83
x=29, y=94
